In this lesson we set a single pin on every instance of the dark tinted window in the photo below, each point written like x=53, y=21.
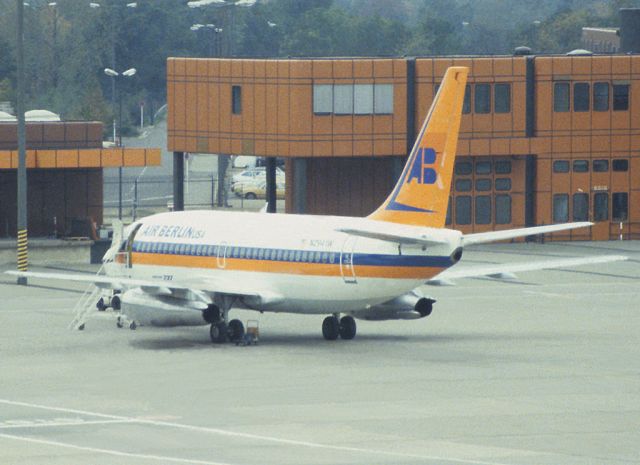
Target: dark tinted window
x=620, y=164
x=620, y=206
x=601, y=96
x=503, y=209
x=463, y=209
x=236, y=100
x=483, y=209
x=463, y=185
x=483, y=184
x=601, y=206
x=466, y=105
x=502, y=98
x=620, y=97
x=561, y=96
x=503, y=184
x=464, y=167
x=447, y=219
x=580, y=207
x=502, y=167
x=483, y=167
x=482, y=98
x=561, y=166
x=580, y=166
x=600, y=166
x=560, y=208
x=581, y=96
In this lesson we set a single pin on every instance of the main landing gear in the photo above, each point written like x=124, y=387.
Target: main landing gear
x=332, y=327
x=221, y=331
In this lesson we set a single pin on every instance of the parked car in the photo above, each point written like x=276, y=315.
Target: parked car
x=257, y=190
x=258, y=173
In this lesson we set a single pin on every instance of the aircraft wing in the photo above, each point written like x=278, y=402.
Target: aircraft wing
x=200, y=288
x=493, y=236
x=507, y=271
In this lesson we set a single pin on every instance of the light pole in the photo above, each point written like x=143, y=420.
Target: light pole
x=22, y=258
x=115, y=75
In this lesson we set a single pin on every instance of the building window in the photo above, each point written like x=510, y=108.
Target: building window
x=600, y=166
x=383, y=99
x=581, y=96
x=463, y=185
x=463, y=168
x=483, y=167
x=322, y=99
x=601, y=96
x=620, y=164
x=560, y=208
x=503, y=209
x=343, y=99
x=580, y=166
x=502, y=98
x=463, y=209
x=466, y=104
x=503, y=184
x=483, y=209
x=482, y=100
x=620, y=206
x=620, y=97
x=447, y=219
x=236, y=100
x=483, y=184
x=601, y=206
x=580, y=207
x=561, y=166
x=363, y=99
x=502, y=167
x=561, y=96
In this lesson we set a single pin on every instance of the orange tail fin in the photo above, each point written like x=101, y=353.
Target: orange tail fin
x=421, y=195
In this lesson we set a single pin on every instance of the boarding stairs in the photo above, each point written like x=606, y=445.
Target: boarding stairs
x=85, y=305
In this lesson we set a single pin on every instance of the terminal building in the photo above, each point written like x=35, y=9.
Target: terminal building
x=544, y=139
x=65, y=161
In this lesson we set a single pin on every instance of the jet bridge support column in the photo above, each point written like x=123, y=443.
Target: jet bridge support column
x=271, y=184
x=178, y=181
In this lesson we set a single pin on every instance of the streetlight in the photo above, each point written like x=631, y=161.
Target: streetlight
x=115, y=75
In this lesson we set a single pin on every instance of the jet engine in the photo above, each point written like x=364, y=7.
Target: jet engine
x=161, y=310
x=410, y=306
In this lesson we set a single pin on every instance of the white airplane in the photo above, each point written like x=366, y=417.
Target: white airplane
x=193, y=267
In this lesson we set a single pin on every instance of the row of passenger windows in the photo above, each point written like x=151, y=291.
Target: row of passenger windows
x=352, y=99
x=580, y=207
x=481, y=209
x=598, y=166
x=203, y=250
x=584, y=98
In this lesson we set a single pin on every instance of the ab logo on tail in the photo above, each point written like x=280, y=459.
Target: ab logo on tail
x=422, y=167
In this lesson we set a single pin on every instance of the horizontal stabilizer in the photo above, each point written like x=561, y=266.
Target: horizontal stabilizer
x=391, y=232
x=493, y=236
x=507, y=271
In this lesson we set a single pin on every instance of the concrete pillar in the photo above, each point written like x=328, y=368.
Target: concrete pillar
x=271, y=184
x=178, y=181
x=299, y=185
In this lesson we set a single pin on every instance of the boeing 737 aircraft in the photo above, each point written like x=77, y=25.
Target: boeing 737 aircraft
x=193, y=267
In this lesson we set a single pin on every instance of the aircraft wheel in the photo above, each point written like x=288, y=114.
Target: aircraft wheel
x=235, y=330
x=116, y=304
x=119, y=323
x=331, y=328
x=218, y=332
x=100, y=305
x=347, y=327
x=133, y=325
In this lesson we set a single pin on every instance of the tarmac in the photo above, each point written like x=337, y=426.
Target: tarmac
x=542, y=371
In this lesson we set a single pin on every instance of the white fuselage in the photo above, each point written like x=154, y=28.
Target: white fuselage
x=293, y=263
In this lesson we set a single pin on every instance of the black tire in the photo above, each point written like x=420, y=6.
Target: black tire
x=133, y=326
x=331, y=328
x=235, y=330
x=250, y=196
x=116, y=304
x=218, y=332
x=347, y=328
x=100, y=305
